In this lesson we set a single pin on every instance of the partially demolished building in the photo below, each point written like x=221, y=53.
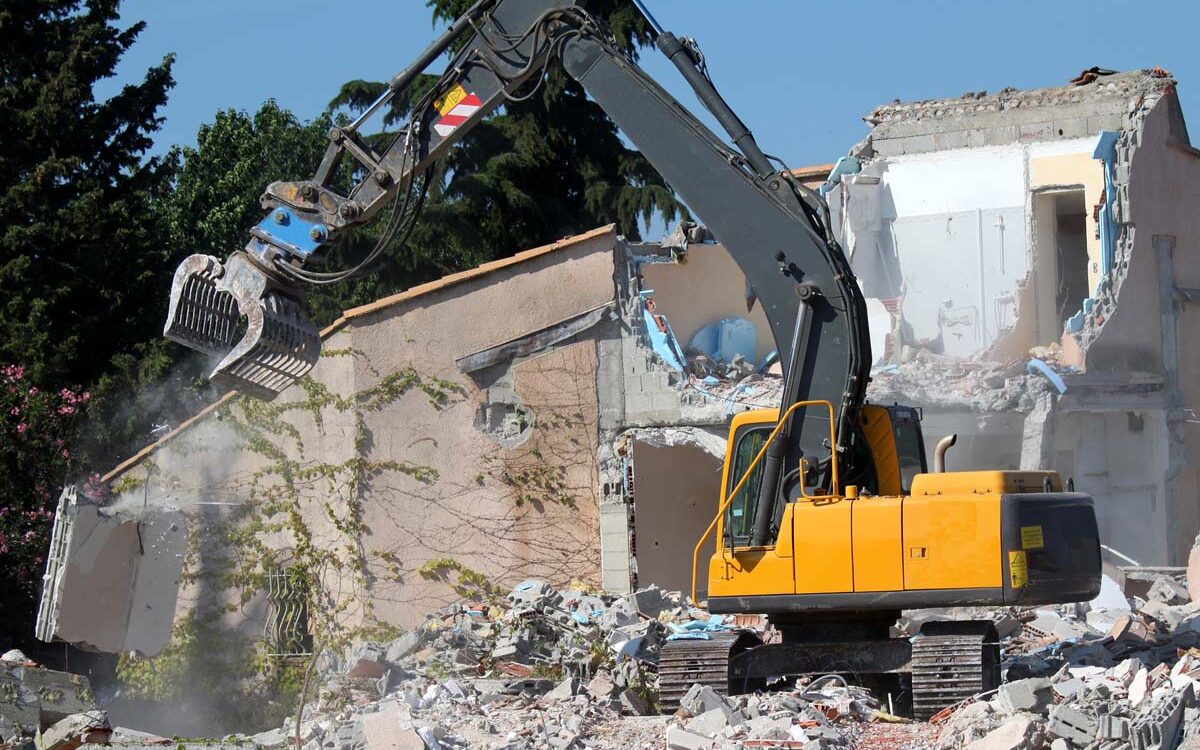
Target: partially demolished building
x=561, y=414
x=1049, y=231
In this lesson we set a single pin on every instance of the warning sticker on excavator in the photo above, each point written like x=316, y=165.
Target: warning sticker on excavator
x=455, y=107
x=450, y=99
x=1031, y=537
x=1018, y=568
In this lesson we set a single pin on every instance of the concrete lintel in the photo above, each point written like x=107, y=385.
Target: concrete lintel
x=534, y=341
x=669, y=436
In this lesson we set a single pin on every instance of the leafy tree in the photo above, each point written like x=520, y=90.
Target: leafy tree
x=237, y=155
x=36, y=427
x=220, y=181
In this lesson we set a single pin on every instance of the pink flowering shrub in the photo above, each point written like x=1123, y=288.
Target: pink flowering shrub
x=36, y=427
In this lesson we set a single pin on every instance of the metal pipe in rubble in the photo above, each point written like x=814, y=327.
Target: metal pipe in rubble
x=939, y=453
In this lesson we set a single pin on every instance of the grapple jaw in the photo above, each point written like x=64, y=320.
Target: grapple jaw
x=236, y=311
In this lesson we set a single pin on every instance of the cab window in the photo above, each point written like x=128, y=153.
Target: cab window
x=910, y=445
x=739, y=516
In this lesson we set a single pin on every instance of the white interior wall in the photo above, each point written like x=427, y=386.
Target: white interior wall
x=676, y=497
x=959, y=222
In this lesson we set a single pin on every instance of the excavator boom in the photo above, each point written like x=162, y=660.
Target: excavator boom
x=772, y=226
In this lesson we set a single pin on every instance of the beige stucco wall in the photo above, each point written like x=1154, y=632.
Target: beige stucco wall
x=1164, y=190
x=509, y=513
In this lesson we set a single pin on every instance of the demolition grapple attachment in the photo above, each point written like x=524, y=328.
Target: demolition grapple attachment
x=254, y=321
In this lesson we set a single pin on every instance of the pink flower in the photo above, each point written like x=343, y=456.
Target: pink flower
x=66, y=410
x=14, y=411
x=66, y=453
x=33, y=391
x=22, y=427
x=85, y=396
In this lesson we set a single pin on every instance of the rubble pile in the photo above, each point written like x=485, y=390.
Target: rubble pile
x=34, y=699
x=817, y=716
x=1118, y=673
x=551, y=669
x=935, y=381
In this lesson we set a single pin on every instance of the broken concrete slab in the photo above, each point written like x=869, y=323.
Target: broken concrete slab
x=105, y=565
x=391, y=728
x=1013, y=734
x=35, y=698
x=69, y=733
x=1071, y=724
x=1030, y=695
x=679, y=738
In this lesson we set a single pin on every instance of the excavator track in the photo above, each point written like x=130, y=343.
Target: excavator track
x=684, y=663
x=953, y=662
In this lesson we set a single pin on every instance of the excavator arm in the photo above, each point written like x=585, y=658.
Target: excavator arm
x=249, y=309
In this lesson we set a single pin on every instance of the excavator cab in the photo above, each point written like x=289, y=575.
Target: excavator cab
x=843, y=561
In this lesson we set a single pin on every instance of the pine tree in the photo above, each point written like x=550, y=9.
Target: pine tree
x=82, y=262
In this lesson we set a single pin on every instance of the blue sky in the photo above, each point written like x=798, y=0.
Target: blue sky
x=801, y=74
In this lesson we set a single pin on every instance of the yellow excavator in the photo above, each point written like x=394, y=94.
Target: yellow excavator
x=829, y=523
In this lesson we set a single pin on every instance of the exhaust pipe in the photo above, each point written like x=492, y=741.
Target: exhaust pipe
x=255, y=322
x=939, y=453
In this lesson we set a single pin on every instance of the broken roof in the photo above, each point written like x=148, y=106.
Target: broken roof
x=357, y=312
x=1012, y=115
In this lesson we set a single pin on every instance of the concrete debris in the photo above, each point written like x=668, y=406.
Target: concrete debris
x=1105, y=679
x=559, y=669
x=91, y=727
x=941, y=382
x=33, y=699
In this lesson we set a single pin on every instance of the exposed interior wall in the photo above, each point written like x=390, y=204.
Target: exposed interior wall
x=704, y=287
x=1061, y=258
x=1050, y=168
x=1120, y=459
x=677, y=490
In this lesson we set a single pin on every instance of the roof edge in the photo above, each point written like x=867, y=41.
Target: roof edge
x=462, y=276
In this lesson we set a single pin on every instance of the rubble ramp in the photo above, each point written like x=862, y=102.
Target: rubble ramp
x=236, y=311
x=953, y=662
x=703, y=661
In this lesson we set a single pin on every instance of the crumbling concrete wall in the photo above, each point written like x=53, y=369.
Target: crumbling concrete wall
x=1158, y=272
x=113, y=577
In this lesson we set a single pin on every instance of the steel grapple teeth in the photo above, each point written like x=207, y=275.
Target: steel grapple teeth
x=236, y=311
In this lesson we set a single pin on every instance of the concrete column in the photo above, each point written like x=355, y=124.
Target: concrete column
x=1037, y=435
